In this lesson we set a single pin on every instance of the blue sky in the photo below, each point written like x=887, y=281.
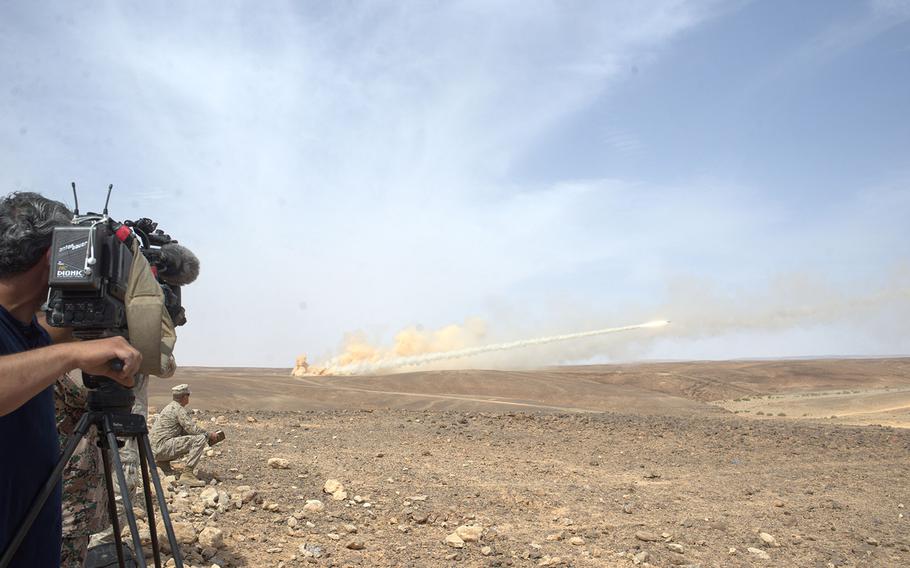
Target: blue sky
x=741, y=168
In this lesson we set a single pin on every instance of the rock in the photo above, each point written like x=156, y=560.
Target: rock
x=334, y=488
x=576, y=541
x=454, y=541
x=145, y=536
x=556, y=536
x=292, y=522
x=279, y=463
x=210, y=536
x=719, y=526
x=679, y=560
x=640, y=557
x=627, y=508
x=350, y=529
x=646, y=536
x=760, y=553
x=486, y=550
x=251, y=419
x=469, y=533
x=356, y=545
x=183, y=532
x=332, y=485
x=209, y=496
x=675, y=547
x=314, y=506
x=310, y=551
x=248, y=495
x=767, y=539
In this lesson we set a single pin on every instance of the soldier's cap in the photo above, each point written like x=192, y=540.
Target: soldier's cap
x=180, y=390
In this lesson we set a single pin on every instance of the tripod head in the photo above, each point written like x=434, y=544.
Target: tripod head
x=107, y=395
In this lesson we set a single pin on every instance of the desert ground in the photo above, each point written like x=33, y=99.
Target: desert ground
x=745, y=463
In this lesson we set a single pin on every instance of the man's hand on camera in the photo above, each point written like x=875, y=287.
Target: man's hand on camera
x=94, y=358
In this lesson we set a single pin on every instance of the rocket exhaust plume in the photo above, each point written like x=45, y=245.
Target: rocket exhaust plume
x=332, y=367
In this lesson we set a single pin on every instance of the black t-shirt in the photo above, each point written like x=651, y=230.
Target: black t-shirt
x=29, y=449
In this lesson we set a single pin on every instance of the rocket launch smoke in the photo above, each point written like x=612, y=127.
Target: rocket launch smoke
x=704, y=312
x=366, y=367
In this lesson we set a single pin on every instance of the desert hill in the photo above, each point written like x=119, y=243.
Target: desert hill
x=859, y=391
x=708, y=464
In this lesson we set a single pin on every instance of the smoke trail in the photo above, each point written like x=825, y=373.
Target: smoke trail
x=366, y=367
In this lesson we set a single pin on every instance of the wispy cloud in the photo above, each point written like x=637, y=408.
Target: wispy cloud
x=350, y=166
x=351, y=157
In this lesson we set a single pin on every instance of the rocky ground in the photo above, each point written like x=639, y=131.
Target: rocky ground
x=461, y=488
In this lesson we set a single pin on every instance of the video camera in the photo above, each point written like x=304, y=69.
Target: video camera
x=91, y=261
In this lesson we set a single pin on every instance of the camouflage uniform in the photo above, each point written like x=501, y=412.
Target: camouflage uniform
x=175, y=435
x=129, y=453
x=84, y=496
x=129, y=457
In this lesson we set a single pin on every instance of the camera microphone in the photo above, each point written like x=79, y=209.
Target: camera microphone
x=178, y=265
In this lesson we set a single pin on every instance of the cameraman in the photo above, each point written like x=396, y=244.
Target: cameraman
x=29, y=366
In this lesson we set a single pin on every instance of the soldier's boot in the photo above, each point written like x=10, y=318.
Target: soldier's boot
x=165, y=466
x=188, y=478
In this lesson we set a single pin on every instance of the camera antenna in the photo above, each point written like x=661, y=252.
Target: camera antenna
x=75, y=198
x=106, y=201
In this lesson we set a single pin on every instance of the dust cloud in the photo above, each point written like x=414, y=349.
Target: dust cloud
x=698, y=310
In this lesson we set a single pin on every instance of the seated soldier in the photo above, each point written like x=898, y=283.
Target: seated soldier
x=176, y=435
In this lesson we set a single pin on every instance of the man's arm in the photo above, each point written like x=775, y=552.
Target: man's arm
x=24, y=375
x=187, y=423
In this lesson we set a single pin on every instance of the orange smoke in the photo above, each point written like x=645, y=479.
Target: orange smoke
x=415, y=341
x=408, y=342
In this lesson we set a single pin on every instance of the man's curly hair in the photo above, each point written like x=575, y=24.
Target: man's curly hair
x=27, y=222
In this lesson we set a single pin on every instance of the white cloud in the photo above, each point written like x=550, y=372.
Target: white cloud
x=356, y=158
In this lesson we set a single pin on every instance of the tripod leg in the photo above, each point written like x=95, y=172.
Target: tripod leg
x=78, y=433
x=149, y=507
x=146, y=454
x=112, y=500
x=124, y=490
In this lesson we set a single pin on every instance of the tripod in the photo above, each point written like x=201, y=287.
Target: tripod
x=109, y=412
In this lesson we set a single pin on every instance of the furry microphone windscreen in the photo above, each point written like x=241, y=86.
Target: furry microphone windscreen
x=179, y=265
